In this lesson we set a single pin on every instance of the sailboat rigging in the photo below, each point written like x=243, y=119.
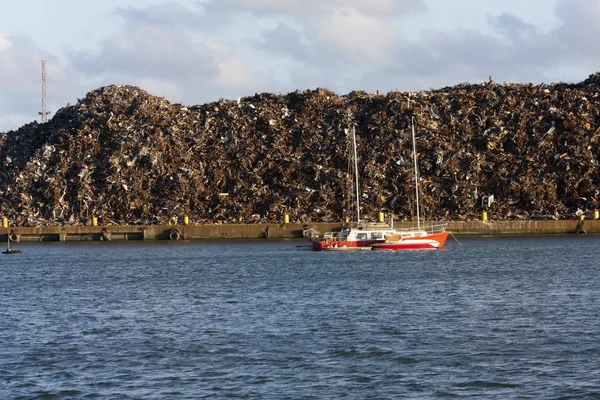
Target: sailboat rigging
x=355, y=165
x=412, y=125
x=430, y=237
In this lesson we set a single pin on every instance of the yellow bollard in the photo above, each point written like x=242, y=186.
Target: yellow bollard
x=286, y=219
x=596, y=214
x=484, y=216
x=94, y=221
x=186, y=220
x=380, y=216
x=5, y=222
x=347, y=220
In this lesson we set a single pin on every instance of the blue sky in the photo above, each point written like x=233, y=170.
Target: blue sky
x=195, y=52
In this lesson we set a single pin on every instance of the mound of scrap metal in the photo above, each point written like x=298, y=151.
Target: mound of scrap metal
x=124, y=156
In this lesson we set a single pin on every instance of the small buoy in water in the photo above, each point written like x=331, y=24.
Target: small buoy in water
x=11, y=251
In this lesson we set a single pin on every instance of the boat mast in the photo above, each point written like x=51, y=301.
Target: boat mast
x=416, y=172
x=352, y=130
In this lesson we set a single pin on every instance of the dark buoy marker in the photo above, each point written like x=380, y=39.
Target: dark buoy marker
x=10, y=250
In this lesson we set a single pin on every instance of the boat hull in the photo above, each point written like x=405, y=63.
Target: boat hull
x=344, y=248
x=333, y=245
x=429, y=242
x=408, y=245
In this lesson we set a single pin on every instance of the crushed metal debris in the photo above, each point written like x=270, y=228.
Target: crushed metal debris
x=519, y=151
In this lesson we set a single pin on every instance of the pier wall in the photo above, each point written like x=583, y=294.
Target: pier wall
x=278, y=231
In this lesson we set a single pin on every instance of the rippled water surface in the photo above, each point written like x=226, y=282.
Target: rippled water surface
x=496, y=318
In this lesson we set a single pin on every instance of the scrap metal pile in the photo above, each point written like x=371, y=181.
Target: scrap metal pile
x=127, y=157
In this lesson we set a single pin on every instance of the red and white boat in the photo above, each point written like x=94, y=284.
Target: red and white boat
x=371, y=237
x=382, y=237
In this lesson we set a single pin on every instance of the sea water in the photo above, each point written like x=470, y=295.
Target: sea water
x=497, y=318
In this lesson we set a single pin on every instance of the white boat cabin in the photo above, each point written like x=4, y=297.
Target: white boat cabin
x=378, y=234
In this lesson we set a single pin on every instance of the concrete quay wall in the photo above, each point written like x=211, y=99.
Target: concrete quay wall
x=277, y=231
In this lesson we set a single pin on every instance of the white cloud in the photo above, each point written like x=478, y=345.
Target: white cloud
x=160, y=88
x=363, y=39
x=141, y=49
x=267, y=5
x=379, y=8
x=579, y=30
x=299, y=8
x=5, y=43
x=183, y=64
x=196, y=52
x=233, y=72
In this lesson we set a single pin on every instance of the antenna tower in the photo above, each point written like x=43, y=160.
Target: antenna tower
x=44, y=112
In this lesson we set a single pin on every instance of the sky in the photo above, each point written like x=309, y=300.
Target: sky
x=196, y=52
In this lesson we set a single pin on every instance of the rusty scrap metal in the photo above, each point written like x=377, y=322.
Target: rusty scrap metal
x=127, y=157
